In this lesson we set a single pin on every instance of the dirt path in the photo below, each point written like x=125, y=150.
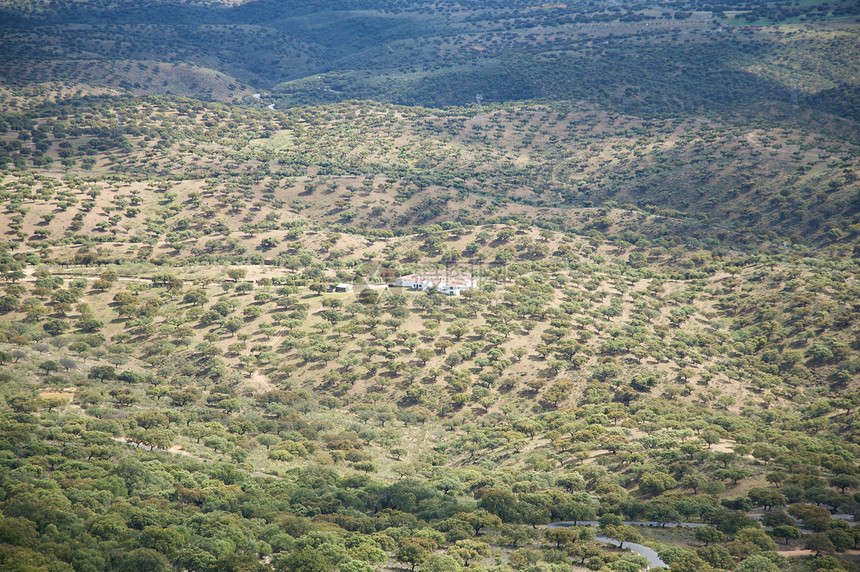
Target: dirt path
x=173, y=449
x=178, y=450
x=788, y=553
x=276, y=340
x=260, y=382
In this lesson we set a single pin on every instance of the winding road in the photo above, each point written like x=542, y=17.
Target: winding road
x=654, y=560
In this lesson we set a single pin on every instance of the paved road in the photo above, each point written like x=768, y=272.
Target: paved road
x=654, y=560
x=649, y=523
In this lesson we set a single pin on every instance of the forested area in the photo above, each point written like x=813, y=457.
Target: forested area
x=183, y=391
x=659, y=204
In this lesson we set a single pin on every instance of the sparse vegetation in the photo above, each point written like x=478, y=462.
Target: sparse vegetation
x=664, y=329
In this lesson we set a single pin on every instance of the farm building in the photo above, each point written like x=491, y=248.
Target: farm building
x=450, y=282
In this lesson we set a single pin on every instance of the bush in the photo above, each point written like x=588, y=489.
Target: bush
x=129, y=377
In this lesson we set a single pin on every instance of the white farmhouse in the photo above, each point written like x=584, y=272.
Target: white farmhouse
x=450, y=282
